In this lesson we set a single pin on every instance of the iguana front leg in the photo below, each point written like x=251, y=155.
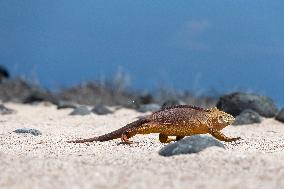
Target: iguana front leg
x=218, y=134
x=221, y=136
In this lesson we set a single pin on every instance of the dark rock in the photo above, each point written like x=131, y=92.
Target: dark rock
x=81, y=110
x=66, y=104
x=101, y=110
x=34, y=132
x=3, y=73
x=149, y=108
x=247, y=117
x=20, y=91
x=145, y=99
x=280, y=115
x=15, y=90
x=40, y=96
x=170, y=103
x=235, y=103
x=4, y=110
x=193, y=144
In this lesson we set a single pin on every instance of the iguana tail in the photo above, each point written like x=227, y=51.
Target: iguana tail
x=115, y=134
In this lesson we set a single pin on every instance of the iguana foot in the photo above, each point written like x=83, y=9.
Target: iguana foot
x=125, y=140
x=222, y=137
x=235, y=139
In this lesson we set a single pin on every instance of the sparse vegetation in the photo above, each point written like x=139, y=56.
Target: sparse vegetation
x=114, y=92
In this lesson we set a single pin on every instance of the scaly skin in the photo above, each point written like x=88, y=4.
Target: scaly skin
x=179, y=121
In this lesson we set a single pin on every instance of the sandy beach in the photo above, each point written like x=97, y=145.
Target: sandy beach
x=47, y=161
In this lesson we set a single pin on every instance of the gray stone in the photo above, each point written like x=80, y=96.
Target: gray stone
x=280, y=115
x=235, y=103
x=34, y=132
x=149, y=108
x=81, y=110
x=247, y=117
x=5, y=111
x=193, y=144
x=66, y=104
x=101, y=110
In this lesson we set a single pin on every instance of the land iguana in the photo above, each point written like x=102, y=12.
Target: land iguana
x=179, y=121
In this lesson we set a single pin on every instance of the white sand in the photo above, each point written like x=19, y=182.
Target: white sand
x=47, y=161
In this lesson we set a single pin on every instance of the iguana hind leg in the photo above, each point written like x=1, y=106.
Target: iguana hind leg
x=165, y=138
x=125, y=138
x=179, y=137
x=222, y=137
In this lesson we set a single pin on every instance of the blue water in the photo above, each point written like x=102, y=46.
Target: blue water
x=202, y=46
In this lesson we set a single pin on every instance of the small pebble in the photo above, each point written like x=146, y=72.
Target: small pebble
x=34, y=132
x=5, y=111
x=101, y=110
x=81, y=110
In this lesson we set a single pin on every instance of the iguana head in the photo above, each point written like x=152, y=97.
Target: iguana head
x=220, y=119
